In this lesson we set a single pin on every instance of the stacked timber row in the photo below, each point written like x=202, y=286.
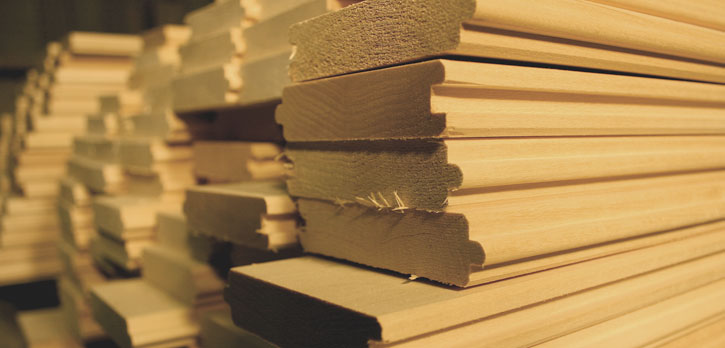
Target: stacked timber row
x=49, y=113
x=542, y=169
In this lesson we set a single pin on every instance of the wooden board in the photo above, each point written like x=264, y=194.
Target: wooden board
x=100, y=148
x=103, y=44
x=166, y=35
x=510, y=226
x=135, y=313
x=455, y=99
x=255, y=214
x=433, y=174
x=122, y=254
x=359, y=305
x=379, y=33
x=211, y=89
x=556, y=318
x=144, y=152
x=218, y=330
x=214, y=18
x=705, y=13
x=218, y=49
x=73, y=192
x=97, y=176
x=710, y=335
x=189, y=281
x=121, y=214
x=649, y=324
x=234, y=161
x=41, y=328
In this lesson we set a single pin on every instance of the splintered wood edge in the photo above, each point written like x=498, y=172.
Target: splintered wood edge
x=427, y=28
x=281, y=302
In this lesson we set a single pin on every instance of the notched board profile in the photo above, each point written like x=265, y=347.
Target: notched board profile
x=510, y=233
x=456, y=99
x=378, y=33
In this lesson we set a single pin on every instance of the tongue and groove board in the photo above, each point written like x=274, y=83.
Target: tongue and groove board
x=377, y=33
x=350, y=306
x=431, y=175
x=556, y=318
x=457, y=99
x=644, y=326
x=509, y=227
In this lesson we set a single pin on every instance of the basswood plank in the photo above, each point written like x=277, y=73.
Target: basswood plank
x=234, y=161
x=648, y=324
x=705, y=13
x=215, y=18
x=708, y=336
x=103, y=44
x=432, y=174
x=380, y=33
x=255, y=214
x=508, y=227
x=145, y=152
x=190, y=281
x=454, y=99
x=544, y=321
x=211, y=89
x=134, y=313
x=352, y=305
x=216, y=50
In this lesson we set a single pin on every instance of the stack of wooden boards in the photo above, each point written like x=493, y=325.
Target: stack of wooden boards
x=49, y=113
x=149, y=151
x=239, y=51
x=178, y=288
x=565, y=176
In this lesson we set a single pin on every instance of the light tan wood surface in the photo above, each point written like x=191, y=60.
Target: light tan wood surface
x=103, y=44
x=431, y=175
x=232, y=161
x=378, y=33
x=651, y=323
x=509, y=226
x=387, y=308
x=545, y=321
x=254, y=214
x=134, y=313
x=456, y=99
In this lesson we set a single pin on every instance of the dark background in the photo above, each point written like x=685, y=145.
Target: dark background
x=26, y=26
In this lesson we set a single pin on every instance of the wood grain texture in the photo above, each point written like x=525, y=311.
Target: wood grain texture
x=704, y=13
x=216, y=50
x=255, y=214
x=513, y=232
x=552, y=319
x=430, y=175
x=214, y=18
x=376, y=33
x=134, y=313
x=452, y=99
x=651, y=323
x=234, y=161
x=211, y=89
x=360, y=305
x=710, y=335
x=189, y=281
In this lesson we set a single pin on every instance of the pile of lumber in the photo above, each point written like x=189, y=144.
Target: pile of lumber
x=554, y=182
x=92, y=168
x=49, y=113
x=150, y=152
x=238, y=52
x=178, y=287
